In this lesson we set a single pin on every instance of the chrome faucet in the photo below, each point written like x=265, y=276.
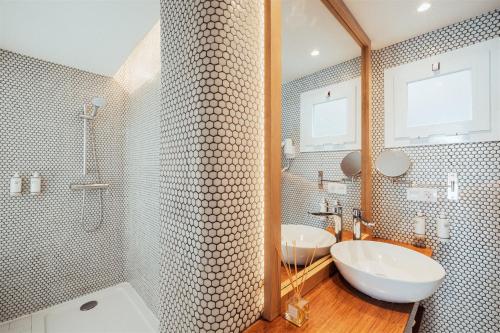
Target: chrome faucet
x=357, y=221
x=337, y=224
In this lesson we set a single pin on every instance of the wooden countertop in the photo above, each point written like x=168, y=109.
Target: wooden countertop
x=424, y=250
x=336, y=307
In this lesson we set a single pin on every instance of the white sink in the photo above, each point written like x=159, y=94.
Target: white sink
x=306, y=239
x=387, y=272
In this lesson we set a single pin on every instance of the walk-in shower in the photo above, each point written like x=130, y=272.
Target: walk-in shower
x=89, y=113
x=80, y=126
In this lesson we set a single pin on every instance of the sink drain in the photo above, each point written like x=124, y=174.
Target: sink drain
x=88, y=306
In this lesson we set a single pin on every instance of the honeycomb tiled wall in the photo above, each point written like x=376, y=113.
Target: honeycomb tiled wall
x=468, y=300
x=45, y=256
x=299, y=186
x=142, y=186
x=139, y=75
x=211, y=165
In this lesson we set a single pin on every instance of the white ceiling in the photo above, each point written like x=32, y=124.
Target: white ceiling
x=390, y=21
x=308, y=25
x=98, y=35
x=92, y=35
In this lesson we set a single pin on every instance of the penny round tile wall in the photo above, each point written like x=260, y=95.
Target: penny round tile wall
x=211, y=191
x=45, y=255
x=299, y=184
x=468, y=300
x=142, y=186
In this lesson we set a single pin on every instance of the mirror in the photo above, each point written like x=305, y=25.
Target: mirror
x=321, y=119
x=351, y=164
x=393, y=163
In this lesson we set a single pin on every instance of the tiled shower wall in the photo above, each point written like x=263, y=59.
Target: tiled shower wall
x=299, y=184
x=211, y=165
x=46, y=257
x=140, y=76
x=468, y=300
x=142, y=173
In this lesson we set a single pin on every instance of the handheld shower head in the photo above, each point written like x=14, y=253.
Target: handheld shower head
x=97, y=102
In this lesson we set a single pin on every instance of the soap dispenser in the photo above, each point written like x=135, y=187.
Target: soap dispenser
x=419, y=229
x=443, y=228
x=35, y=184
x=15, y=185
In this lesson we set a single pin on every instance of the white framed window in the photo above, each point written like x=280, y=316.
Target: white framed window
x=330, y=117
x=449, y=98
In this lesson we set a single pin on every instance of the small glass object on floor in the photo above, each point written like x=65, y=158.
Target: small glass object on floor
x=297, y=311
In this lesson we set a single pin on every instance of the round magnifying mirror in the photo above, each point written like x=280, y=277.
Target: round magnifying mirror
x=351, y=164
x=392, y=163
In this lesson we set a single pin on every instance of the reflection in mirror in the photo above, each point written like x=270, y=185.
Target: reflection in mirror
x=321, y=66
x=392, y=163
x=351, y=164
x=296, y=237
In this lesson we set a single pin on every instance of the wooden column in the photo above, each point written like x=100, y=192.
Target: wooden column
x=272, y=160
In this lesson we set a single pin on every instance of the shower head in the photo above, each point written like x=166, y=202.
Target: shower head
x=97, y=102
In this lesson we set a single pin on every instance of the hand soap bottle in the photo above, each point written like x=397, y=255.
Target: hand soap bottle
x=35, y=184
x=419, y=230
x=443, y=228
x=15, y=185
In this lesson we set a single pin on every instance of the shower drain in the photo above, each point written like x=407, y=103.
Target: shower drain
x=88, y=306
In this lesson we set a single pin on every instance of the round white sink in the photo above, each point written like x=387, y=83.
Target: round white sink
x=305, y=238
x=387, y=272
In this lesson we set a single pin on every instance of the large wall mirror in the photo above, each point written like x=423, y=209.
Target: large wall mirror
x=321, y=128
x=324, y=120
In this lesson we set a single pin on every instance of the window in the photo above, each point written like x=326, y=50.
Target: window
x=327, y=114
x=450, y=98
x=440, y=100
x=330, y=118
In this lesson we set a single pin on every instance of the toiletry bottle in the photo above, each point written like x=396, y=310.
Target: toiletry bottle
x=35, y=183
x=15, y=185
x=419, y=232
x=443, y=228
x=337, y=221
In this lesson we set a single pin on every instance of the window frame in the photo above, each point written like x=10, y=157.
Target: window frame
x=482, y=60
x=350, y=90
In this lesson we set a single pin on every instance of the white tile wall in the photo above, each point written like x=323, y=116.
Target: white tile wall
x=142, y=186
x=45, y=256
x=468, y=300
x=211, y=165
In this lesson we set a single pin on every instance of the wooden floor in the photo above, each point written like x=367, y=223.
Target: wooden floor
x=336, y=307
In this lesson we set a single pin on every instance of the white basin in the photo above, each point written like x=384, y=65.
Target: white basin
x=305, y=238
x=387, y=272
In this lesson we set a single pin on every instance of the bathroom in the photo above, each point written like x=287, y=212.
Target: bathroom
x=170, y=166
